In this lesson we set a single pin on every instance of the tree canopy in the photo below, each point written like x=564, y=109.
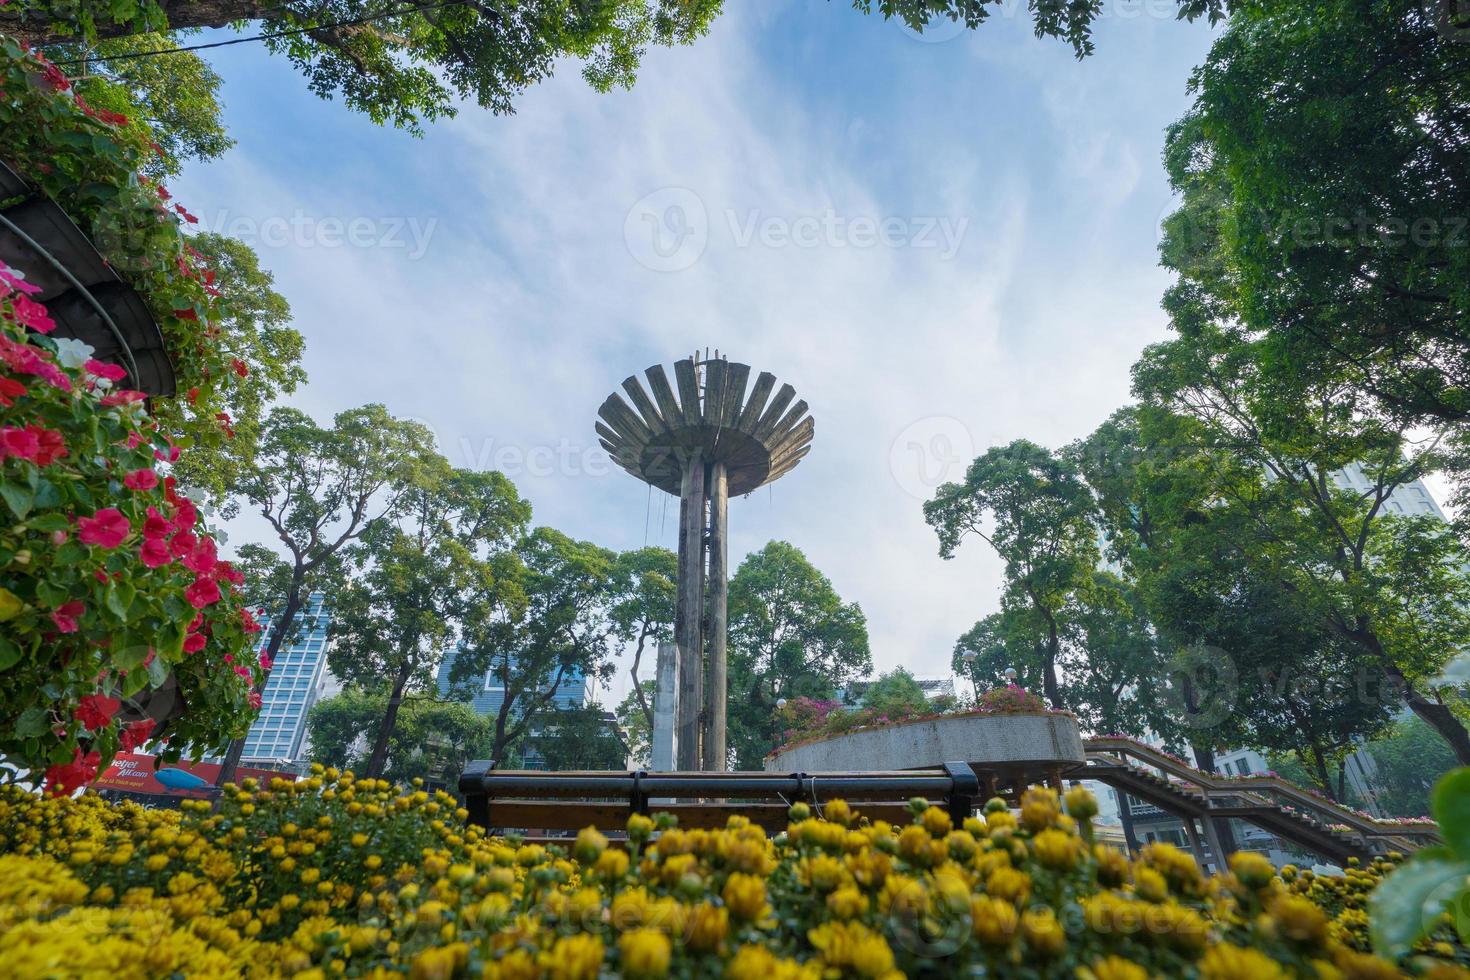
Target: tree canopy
x=790, y=635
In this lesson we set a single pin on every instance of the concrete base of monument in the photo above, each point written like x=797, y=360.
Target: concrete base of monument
x=1007, y=751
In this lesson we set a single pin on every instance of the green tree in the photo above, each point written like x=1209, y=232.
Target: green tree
x=407, y=63
x=581, y=737
x=790, y=635
x=398, y=64
x=1324, y=173
x=1391, y=586
x=636, y=726
x=257, y=331
x=1031, y=506
x=896, y=694
x=643, y=610
x=560, y=629
x=432, y=739
x=1409, y=760
x=320, y=490
x=173, y=98
x=421, y=573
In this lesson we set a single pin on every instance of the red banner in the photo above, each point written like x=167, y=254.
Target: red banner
x=133, y=772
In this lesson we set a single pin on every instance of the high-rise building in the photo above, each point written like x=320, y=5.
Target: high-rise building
x=297, y=679
x=487, y=696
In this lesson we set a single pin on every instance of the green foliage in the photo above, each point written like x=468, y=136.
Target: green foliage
x=643, y=610
x=93, y=165
x=116, y=620
x=1031, y=506
x=172, y=100
x=1323, y=173
x=414, y=64
x=553, y=622
x=1070, y=22
x=578, y=737
x=1408, y=763
x=437, y=560
x=636, y=725
x=896, y=694
x=431, y=739
x=790, y=635
x=1434, y=882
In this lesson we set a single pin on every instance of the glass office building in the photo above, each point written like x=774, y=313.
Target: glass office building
x=296, y=681
x=488, y=694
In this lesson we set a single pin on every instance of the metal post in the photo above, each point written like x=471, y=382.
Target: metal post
x=689, y=612
x=715, y=756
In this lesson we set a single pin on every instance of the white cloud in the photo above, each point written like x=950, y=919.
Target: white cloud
x=528, y=306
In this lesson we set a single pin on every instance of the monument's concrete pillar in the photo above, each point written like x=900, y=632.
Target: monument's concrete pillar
x=663, y=706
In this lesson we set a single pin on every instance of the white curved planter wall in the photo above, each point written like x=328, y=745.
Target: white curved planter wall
x=997, y=742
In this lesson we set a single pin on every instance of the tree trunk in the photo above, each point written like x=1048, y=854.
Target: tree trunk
x=1324, y=777
x=1125, y=816
x=378, y=760
x=1049, y=683
x=282, y=628
x=38, y=32
x=1435, y=715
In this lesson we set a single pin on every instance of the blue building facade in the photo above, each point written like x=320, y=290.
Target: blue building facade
x=488, y=695
x=296, y=679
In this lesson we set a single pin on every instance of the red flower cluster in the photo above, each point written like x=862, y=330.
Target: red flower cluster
x=107, y=528
x=96, y=711
x=35, y=443
x=67, y=779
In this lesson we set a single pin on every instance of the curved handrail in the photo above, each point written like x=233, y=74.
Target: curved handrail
x=1252, y=786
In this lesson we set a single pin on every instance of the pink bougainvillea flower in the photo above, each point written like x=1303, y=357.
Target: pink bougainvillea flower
x=186, y=315
x=243, y=672
x=135, y=439
x=228, y=572
x=241, y=368
x=194, y=642
x=96, y=710
x=265, y=661
x=55, y=78
x=141, y=480
x=10, y=390
x=65, y=616
x=247, y=621
x=101, y=369
x=135, y=734
x=154, y=553
x=204, y=592
x=66, y=779
x=254, y=699
x=107, y=528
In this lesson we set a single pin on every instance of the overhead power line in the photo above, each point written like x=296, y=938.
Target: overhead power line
x=351, y=22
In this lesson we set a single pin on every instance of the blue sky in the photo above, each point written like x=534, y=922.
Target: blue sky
x=943, y=244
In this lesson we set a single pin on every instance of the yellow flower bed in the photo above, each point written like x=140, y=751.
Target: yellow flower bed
x=336, y=876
